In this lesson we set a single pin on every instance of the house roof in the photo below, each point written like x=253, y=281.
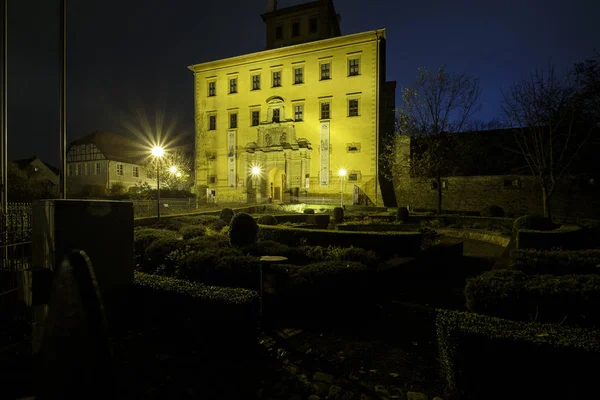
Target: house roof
x=27, y=161
x=115, y=147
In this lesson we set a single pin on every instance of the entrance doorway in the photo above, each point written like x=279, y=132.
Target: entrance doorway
x=276, y=183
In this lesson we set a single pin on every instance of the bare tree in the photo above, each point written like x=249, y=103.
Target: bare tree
x=175, y=170
x=439, y=105
x=552, y=119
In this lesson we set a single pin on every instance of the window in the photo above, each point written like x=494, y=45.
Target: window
x=232, y=120
x=276, y=115
x=255, y=82
x=212, y=122
x=512, y=183
x=325, y=114
x=325, y=71
x=353, y=108
x=353, y=176
x=98, y=168
x=298, y=75
x=299, y=112
x=70, y=170
x=279, y=32
x=212, y=179
x=136, y=172
x=295, y=29
x=120, y=169
x=255, y=118
x=88, y=169
x=353, y=67
x=212, y=88
x=79, y=169
x=312, y=25
x=353, y=147
x=277, y=79
x=233, y=85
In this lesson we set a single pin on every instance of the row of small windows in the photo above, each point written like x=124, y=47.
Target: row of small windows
x=81, y=169
x=295, y=31
x=325, y=113
x=325, y=74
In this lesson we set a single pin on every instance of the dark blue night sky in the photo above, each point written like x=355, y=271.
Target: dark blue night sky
x=129, y=57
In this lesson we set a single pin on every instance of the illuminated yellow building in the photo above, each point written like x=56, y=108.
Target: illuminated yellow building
x=311, y=104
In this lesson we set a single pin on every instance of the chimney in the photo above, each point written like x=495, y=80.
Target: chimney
x=271, y=5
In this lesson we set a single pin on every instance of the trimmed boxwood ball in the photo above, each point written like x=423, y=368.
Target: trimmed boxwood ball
x=226, y=214
x=492, y=211
x=309, y=211
x=191, y=231
x=242, y=230
x=402, y=214
x=267, y=220
x=338, y=215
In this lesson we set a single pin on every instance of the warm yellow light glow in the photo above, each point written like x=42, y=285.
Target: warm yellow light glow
x=178, y=175
x=173, y=169
x=158, y=151
x=255, y=170
x=342, y=172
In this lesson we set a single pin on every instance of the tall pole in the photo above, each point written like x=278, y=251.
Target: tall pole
x=157, y=187
x=341, y=191
x=4, y=112
x=62, y=50
x=255, y=194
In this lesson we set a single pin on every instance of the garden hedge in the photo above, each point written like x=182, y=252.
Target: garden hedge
x=572, y=299
x=318, y=219
x=555, y=262
x=330, y=290
x=383, y=243
x=217, y=320
x=564, y=237
x=490, y=358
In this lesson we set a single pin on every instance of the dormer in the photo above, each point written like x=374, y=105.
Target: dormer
x=301, y=23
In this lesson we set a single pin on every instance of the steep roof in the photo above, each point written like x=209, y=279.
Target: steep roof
x=27, y=161
x=115, y=147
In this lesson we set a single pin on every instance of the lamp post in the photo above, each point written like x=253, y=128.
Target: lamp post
x=342, y=174
x=255, y=174
x=158, y=152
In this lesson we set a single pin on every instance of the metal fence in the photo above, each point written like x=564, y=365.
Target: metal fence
x=148, y=208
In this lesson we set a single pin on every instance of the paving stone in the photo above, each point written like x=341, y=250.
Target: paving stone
x=334, y=392
x=381, y=391
x=397, y=393
x=322, y=377
x=321, y=388
x=416, y=396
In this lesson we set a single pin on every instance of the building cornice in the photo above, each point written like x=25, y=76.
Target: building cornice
x=289, y=51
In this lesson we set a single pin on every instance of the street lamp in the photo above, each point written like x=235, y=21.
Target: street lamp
x=158, y=152
x=173, y=169
x=342, y=174
x=255, y=174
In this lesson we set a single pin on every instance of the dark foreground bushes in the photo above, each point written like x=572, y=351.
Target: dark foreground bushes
x=324, y=291
x=489, y=358
x=555, y=262
x=213, y=320
x=572, y=299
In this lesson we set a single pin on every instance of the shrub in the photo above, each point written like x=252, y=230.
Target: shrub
x=155, y=258
x=220, y=267
x=226, y=215
x=192, y=231
x=429, y=237
x=309, y=211
x=143, y=238
x=338, y=215
x=534, y=222
x=555, y=262
x=267, y=220
x=243, y=230
x=203, y=317
x=383, y=243
x=565, y=237
x=492, y=211
x=490, y=358
x=402, y=214
x=203, y=243
x=573, y=299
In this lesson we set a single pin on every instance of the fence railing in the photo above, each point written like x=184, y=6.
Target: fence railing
x=15, y=237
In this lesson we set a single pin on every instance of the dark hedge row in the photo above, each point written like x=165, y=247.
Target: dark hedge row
x=555, y=262
x=490, y=358
x=565, y=237
x=317, y=219
x=383, y=243
x=572, y=299
x=215, y=321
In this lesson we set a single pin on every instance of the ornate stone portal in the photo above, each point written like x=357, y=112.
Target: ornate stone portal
x=284, y=160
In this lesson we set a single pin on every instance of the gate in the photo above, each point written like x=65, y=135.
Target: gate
x=15, y=261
